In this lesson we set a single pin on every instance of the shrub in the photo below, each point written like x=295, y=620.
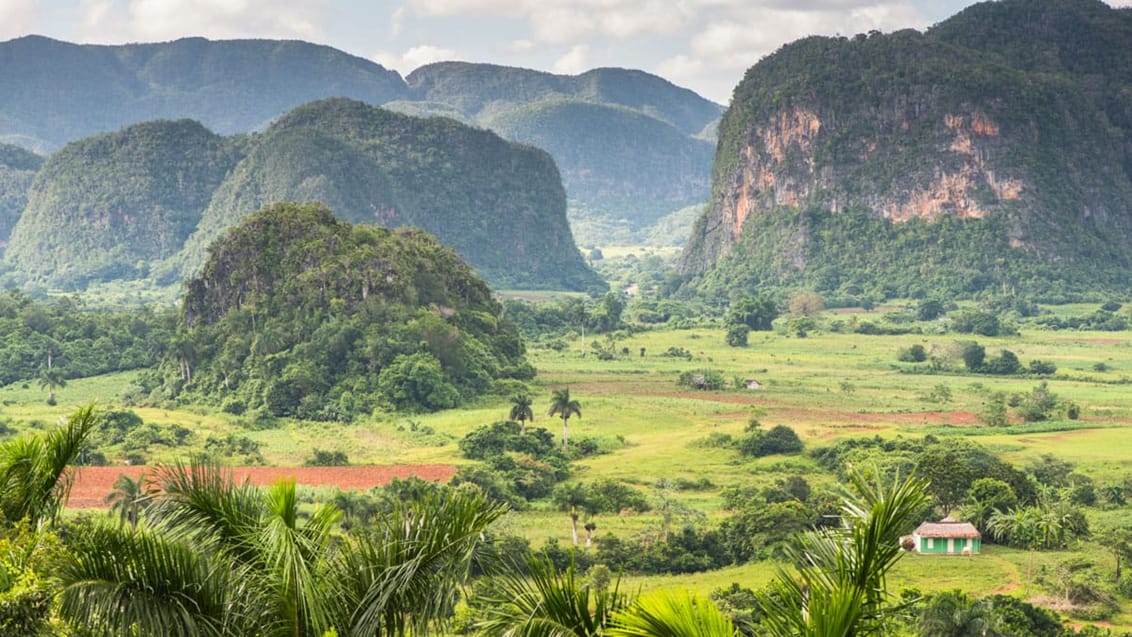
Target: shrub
x=321, y=458
x=737, y=335
x=705, y=379
x=913, y=354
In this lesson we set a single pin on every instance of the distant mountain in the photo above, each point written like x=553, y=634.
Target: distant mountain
x=17, y=170
x=499, y=204
x=991, y=154
x=55, y=92
x=107, y=206
x=149, y=200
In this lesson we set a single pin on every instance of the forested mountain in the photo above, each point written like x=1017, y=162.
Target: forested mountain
x=149, y=200
x=990, y=153
x=300, y=314
x=17, y=170
x=624, y=140
x=499, y=204
x=105, y=207
x=54, y=92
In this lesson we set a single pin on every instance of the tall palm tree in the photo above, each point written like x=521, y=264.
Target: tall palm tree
x=129, y=497
x=562, y=405
x=840, y=585
x=52, y=380
x=34, y=480
x=521, y=411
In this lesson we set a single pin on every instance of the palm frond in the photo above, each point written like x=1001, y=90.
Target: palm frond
x=671, y=614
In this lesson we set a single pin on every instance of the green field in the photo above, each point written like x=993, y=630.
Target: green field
x=825, y=386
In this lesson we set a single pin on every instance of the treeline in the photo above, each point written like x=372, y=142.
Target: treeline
x=61, y=339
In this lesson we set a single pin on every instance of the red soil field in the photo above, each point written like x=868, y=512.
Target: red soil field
x=92, y=484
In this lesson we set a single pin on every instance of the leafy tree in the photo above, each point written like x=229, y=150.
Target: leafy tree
x=757, y=313
x=806, y=305
x=913, y=354
x=1005, y=364
x=521, y=411
x=737, y=335
x=986, y=497
x=1040, y=404
x=562, y=405
x=929, y=310
x=973, y=356
x=994, y=411
x=416, y=383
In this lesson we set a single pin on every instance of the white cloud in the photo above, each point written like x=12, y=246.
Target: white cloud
x=680, y=68
x=573, y=62
x=520, y=46
x=414, y=58
x=164, y=19
x=17, y=17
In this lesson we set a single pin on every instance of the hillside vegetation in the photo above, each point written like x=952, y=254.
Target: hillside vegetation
x=298, y=314
x=17, y=170
x=146, y=202
x=958, y=160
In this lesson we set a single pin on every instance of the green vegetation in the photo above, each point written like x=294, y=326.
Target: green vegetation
x=298, y=314
x=17, y=170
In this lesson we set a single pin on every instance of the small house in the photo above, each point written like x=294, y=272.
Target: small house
x=753, y=384
x=947, y=537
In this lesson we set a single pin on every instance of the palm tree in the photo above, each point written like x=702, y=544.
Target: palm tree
x=570, y=498
x=521, y=411
x=951, y=614
x=34, y=481
x=225, y=559
x=543, y=602
x=129, y=498
x=560, y=404
x=840, y=585
x=51, y=380
x=671, y=614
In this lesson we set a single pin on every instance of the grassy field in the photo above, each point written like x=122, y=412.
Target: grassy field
x=825, y=386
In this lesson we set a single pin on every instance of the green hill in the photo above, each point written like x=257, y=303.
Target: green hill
x=298, y=314
x=17, y=170
x=499, y=204
x=105, y=207
x=982, y=157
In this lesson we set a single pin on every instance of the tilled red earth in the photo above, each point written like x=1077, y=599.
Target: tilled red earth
x=93, y=484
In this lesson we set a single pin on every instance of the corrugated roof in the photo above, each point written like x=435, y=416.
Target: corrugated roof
x=947, y=528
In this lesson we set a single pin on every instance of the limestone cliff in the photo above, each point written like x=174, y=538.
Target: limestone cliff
x=908, y=131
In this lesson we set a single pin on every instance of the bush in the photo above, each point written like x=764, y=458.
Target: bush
x=704, y=379
x=320, y=458
x=737, y=335
x=913, y=354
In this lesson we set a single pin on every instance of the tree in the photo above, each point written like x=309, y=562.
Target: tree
x=546, y=602
x=34, y=481
x=757, y=313
x=570, y=498
x=229, y=560
x=839, y=587
x=806, y=305
x=562, y=405
x=973, y=356
x=1118, y=541
x=521, y=411
x=737, y=335
x=952, y=614
x=51, y=380
x=986, y=497
x=129, y=497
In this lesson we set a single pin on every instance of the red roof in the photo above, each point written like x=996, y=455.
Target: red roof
x=947, y=528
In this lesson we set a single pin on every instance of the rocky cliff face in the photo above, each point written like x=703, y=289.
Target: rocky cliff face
x=909, y=128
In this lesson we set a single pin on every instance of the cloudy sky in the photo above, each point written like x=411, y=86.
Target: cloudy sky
x=704, y=45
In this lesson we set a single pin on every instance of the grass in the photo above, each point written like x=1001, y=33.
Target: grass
x=826, y=386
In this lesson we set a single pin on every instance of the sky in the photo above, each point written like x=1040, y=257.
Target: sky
x=704, y=45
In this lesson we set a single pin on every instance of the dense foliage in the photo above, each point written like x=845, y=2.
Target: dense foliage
x=299, y=314
x=105, y=207
x=17, y=170
x=61, y=339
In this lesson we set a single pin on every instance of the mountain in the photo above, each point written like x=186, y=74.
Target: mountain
x=106, y=206
x=53, y=92
x=149, y=200
x=296, y=313
x=499, y=204
x=628, y=143
x=17, y=170
x=992, y=153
